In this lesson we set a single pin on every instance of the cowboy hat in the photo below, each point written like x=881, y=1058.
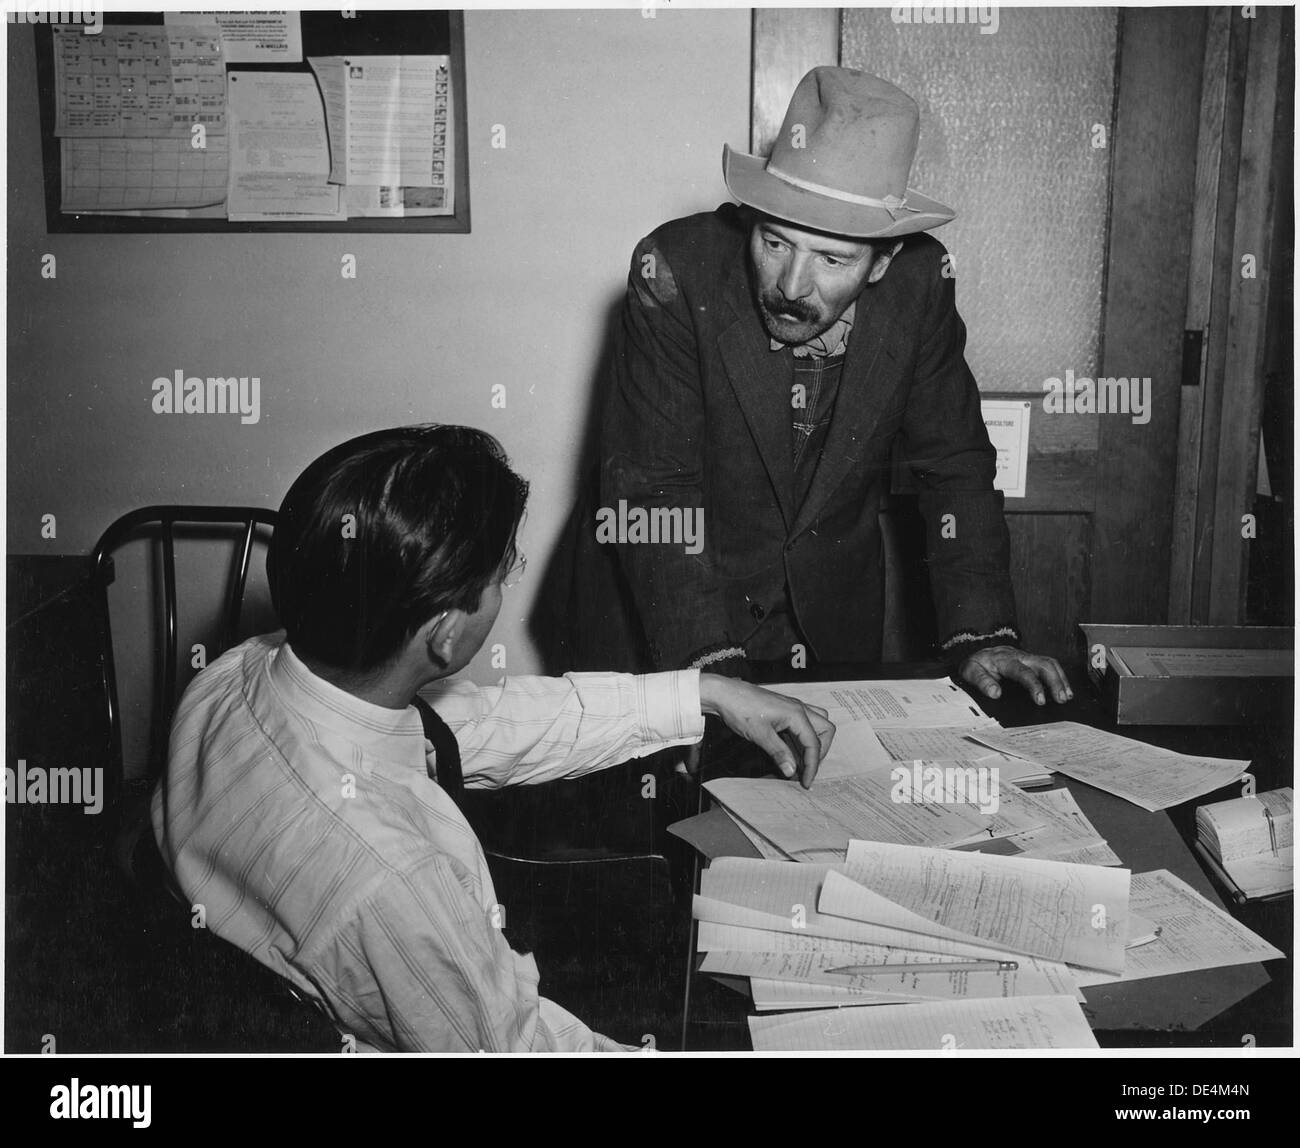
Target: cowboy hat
x=841, y=161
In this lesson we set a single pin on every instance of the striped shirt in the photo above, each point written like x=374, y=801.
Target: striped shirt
x=303, y=820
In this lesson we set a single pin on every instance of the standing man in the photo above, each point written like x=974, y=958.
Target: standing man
x=768, y=359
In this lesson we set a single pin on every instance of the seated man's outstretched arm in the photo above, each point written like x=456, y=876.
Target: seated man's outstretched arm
x=533, y=729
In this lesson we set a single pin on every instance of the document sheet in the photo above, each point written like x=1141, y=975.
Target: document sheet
x=890, y=704
x=1066, y=833
x=279, y=149
x=388, y=120
x=1017, y=1022
x=1179, y=662
x=1144, y=774
x=141, y=174
x=251, y=37
x=139, y=81
x=817, y=824
x=1194, y=934
x=777, y=895
x=1051, y=909
x=956, y=744
x=1031, y=978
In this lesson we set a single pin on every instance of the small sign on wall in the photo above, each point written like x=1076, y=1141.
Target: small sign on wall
x=1007, y=421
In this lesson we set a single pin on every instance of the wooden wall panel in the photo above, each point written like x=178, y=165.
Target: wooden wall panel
x=1051, y=572
x=1157, y=117
x=1247, y=308
x=788, y=42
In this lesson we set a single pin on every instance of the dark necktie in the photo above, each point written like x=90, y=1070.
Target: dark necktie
x=446, y=751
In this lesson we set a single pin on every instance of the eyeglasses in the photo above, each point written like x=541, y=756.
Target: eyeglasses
x=515, y=574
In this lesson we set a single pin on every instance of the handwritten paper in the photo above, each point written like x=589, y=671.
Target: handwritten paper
x=770, y=995
x=1074, y=913
x=1032, y=978
x=783, y=897
x=1194, y=934
x=1017, y=1022
x=1146, y=775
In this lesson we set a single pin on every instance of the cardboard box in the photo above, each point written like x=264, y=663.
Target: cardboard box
x=1150, y=699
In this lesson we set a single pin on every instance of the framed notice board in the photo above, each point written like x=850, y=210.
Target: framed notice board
x=320, y=122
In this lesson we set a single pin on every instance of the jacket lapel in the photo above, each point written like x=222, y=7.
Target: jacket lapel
x=761, y=380
x=867, y=387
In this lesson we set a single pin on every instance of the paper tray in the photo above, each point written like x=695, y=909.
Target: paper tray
x=1150, y=700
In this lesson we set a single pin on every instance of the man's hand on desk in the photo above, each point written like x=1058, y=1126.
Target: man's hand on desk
x=778, y=725
x=1042, y=676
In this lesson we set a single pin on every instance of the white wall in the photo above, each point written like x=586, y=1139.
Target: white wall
x=614, y=123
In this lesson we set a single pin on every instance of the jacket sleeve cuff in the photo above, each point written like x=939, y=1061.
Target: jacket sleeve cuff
x=957, y=648
x=720, y=658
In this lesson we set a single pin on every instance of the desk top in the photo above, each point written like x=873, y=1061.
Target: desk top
x=1144, y=841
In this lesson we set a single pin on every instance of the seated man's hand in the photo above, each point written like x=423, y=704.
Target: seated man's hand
x=1042, y=676
x=779, y=725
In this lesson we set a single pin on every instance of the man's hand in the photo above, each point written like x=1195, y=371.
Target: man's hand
x=1041, y=676
x=778, y=725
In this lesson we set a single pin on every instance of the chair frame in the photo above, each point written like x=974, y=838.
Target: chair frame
x=165, y=518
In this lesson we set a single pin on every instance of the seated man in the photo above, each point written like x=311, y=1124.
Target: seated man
x=298, y=808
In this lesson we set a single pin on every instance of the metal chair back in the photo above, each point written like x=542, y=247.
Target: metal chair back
x=242, y=523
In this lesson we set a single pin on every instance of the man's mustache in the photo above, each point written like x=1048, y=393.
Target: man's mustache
x=776, y=304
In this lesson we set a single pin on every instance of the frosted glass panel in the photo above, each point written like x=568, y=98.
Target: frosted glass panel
x=1007, y=142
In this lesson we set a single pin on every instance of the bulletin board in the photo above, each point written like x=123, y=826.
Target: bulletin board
x=86, y=155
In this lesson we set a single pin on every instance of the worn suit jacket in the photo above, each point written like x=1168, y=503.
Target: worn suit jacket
x=697, y=415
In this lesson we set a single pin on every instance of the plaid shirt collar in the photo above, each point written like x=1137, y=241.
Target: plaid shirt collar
x=833, y=341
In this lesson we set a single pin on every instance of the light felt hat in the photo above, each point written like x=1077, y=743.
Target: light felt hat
x=841, y=161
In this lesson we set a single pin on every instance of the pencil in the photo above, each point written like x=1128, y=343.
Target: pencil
x=924, y=967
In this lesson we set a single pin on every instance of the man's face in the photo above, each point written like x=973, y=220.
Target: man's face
x=474, y=629
x=805, y=280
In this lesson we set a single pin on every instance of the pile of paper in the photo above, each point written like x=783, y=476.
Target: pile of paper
x=992, y=949
x=1017, y=1022
x=818, y=936
x=878, y=724
x=1250, y=842
x=946, y=804
x=938, y=903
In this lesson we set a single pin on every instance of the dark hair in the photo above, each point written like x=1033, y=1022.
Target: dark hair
x=383, y=532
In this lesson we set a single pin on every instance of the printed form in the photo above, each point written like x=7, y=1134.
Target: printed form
x=389, y=126
x=1063, y=912
x=889, y=704
x=817, y=824
x=1194, y=934
x=279, y=149
x=1144, y=774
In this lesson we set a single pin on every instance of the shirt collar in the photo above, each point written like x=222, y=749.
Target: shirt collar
x=324, y=703
x=833, y=341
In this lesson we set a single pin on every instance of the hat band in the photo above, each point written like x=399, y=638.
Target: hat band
x=891, y=203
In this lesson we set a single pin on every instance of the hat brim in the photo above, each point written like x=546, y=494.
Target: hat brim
x=747, y=179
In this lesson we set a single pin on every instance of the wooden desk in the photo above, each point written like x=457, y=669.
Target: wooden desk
x=1222, y=1007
